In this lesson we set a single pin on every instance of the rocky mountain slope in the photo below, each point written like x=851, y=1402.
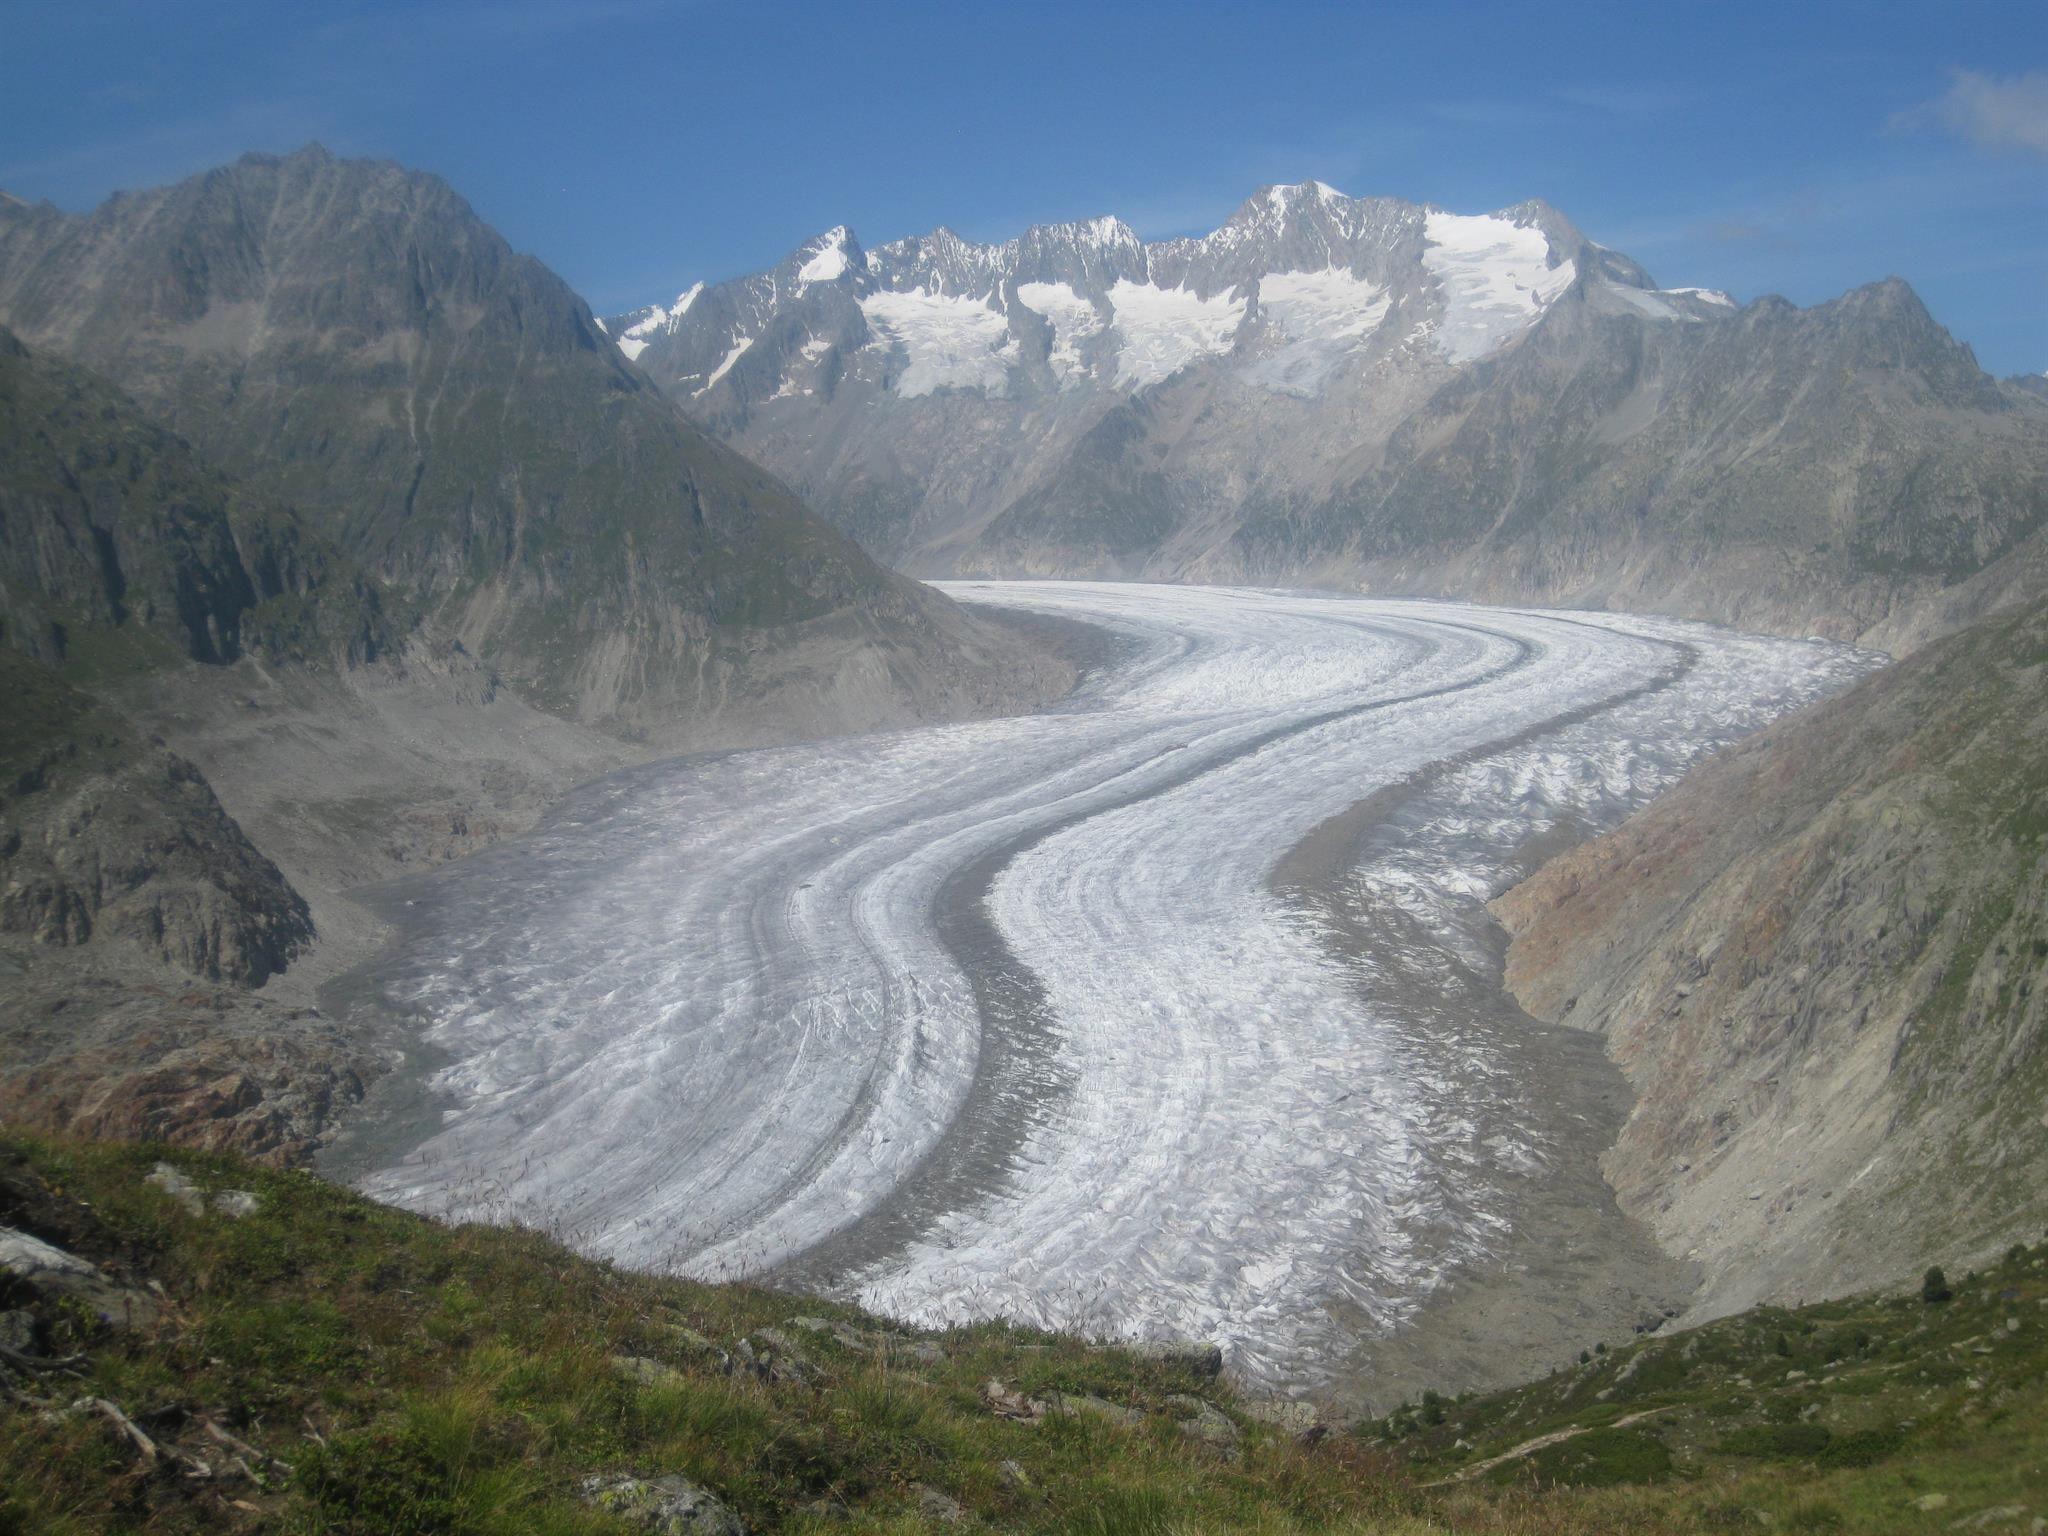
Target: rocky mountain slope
x=135, y=920
x=153, y=962
x=115, y=535
x=1823, y=962
x=350, y=340
x=108, y=837
x=1367, y=391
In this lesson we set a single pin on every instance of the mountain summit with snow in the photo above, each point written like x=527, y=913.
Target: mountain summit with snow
x=1356, y=389
x=1298, y=281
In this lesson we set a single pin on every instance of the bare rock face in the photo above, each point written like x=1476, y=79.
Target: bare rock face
x=1822, y=960
x=135, y=922
x=126, y=1058
x=109, y=839
x=123, y=547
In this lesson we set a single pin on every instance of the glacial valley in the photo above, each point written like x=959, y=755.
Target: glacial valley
x=1172, y=1012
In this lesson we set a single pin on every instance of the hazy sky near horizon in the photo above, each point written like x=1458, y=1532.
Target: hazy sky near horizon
x=639, y=145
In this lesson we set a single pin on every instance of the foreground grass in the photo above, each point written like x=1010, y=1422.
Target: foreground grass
x=383, y=1373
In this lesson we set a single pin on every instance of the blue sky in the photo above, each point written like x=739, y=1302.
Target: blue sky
x=636, y=145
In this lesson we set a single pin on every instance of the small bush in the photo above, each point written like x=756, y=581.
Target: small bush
x=378, y=1481
x=1600, y=1458
x=1862, y=1448
x=1934, y=1287
x=1777, y=1442
x=1814, y=1517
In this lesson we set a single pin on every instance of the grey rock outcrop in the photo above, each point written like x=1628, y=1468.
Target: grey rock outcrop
x=198, y=1201
x=664, y=1506
x=1204, y=1421
x=942, y=1508
x=105, y=838
x=50, y=1271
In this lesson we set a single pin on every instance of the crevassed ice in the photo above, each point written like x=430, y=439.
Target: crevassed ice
x=1324, y=316
x=951, y=342
x=1161, y=330
x=1073, y=320
x=1495, y=280
x=704, y=1018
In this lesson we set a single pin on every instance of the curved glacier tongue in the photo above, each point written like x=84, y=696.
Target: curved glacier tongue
x=1013, y=1018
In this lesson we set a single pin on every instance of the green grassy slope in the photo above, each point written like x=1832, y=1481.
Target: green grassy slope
x=1871, y=1413
x=373, y=1371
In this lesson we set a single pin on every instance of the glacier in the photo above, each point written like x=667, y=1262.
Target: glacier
x=1028, y=1017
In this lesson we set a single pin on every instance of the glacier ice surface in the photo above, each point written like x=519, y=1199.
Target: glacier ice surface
x=706, y=1017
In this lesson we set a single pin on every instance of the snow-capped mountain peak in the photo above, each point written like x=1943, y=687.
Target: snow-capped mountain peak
x=636, y=330
x=833, y=255
x=1300, y=287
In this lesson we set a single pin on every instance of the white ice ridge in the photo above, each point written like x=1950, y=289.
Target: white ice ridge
x=1495, y=279
x=706, y=1017
x=634, y=339
x=830, y=260
x=1161, y=330
x=1711, y=295
x=733, y=355
x=949, y=342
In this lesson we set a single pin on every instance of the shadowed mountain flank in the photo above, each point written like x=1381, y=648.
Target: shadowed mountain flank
x=349, y=339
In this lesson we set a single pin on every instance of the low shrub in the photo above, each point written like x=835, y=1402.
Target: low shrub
x=1862, y=1447
x=1600, y=1458
x=1777, y=1442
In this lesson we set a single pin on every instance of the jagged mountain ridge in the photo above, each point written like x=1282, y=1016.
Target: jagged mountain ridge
x=1068, y=304
x=350, y=339
x=1365, y=391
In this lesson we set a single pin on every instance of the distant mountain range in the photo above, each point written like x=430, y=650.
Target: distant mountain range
x=1367, y=392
